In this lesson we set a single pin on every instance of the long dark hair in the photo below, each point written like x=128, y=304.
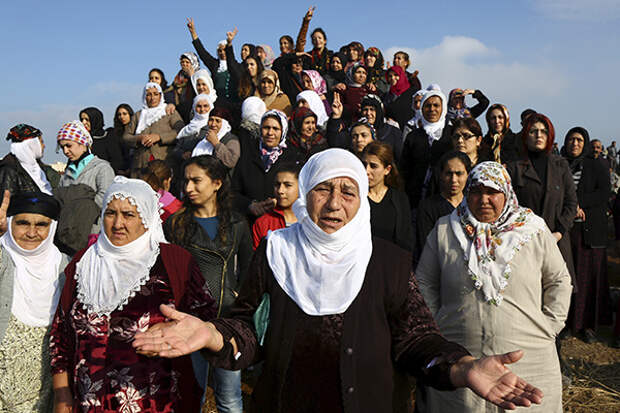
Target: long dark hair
x=117, y=125
x=384, y=152
x=245, y=83
x=155, y=174
x=184, y=226
x=164, y=82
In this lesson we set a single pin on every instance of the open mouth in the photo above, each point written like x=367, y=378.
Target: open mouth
x=331, y=221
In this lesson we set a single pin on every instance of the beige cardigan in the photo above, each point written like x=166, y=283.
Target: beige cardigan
x=167, y=128
x=533, y=312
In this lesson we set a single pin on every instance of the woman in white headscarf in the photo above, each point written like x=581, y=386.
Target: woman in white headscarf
x=113, y=291
x=311, y=100
x=252, y=110
x=151, y=132
x=324, y=289
x=424, y=146
x=31, y=279
x=22, y=170
x=218, y=140
x=494, y=278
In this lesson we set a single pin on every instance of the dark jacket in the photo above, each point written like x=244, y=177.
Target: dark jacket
x=417, y=157
x=78, y=214
x=403, y=231
x=387, y=325
x=109, y=147
x=593, y=194
x=510, y=150
x=338, y=136
x=250, y=181
x=222, y=264
x=558, y=195
x=400, y=108
x=15, y=179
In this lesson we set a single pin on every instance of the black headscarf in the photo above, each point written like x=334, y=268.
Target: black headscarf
x=21, y=132
x=34, y=203
x=340, y=75
x=96, y=121
x=375, y=102
x=575, y=162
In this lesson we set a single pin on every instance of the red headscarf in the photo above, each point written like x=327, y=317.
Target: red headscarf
x=403, y=81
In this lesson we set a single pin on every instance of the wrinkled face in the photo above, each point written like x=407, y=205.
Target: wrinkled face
x=307, y=82
x=370, y=113
x=200, y=189
x=333, y=203
x=360, y=136
x=285, y=189
x=271, y=132
x=202, y=107
x=463, y=140
x=215, y=123
x=432, y=109
x=153, y=97
x=245, y=52
x=597, y=148
x=186, y=66
x=285, y=45
x=392, y=78
x=121, y=222
x=359, y=76
x=72, y=150
x=336, y=64
x=308, y=127
x=417, y=101
x=370, y=60
x=485, y=203
x=318, y=40
x=537, y=137
x=376, y=171
x=353, y=55
x=252, y=66
x=202, y=86
x=401, y=60
x=155, y=77
x=123, y=116
x=575, y=144
x=221, y=52
x=30, y=230
x=497, y=121
x=267, y=86
x=85, y=120
x=453, y=178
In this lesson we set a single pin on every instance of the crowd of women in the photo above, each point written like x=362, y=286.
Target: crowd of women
x=322, y=212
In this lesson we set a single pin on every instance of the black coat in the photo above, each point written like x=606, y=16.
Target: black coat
x=15, y=179
x=593, y=194
x=251, y=182
x=418, y=156
x=402, y=234
x=110, y=148
x=338, y=136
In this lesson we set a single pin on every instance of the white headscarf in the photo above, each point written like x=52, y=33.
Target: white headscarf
x=36, y=288
x=417, y=113
x=434, y=129
x=27, y=153
x=253, y=108
x=193, y=59
x=204, y=147
x=205, y=75
x=223, y=64
x=108, y=276
x=321, y=272
x=199, y=120
x=149, y=116
x=316, y=105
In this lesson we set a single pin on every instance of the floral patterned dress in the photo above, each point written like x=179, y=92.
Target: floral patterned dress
x=106, y=373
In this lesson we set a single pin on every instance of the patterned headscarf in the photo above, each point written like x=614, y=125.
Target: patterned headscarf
x=270, y=56
x=191, y=56
x=318, y=83
x=495, y=143
x=376, y=71
x=364, y=122
x=504, y=110
x=76, y=132
x=453, y=112
x=21, y=132
x=489, y=247
x=271, y=155
x=351, y=71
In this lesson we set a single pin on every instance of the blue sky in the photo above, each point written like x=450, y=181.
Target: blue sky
x=559, y=57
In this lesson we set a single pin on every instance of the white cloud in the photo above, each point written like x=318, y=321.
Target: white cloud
x=582, y=10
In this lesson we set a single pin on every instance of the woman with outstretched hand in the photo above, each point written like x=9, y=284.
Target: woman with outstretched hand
x=324, y=289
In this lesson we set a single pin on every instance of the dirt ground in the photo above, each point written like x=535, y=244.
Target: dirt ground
x=594, y=369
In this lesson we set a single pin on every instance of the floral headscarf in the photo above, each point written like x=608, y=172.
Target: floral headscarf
x=21, y=132
x=318, y=83
x=489, y=247
x=271, y=155
x=270, y=56
x=351, y=71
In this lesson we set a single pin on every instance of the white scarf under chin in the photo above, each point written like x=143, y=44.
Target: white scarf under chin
x=199, y=121
x=434, y=130
x=36, y=286
x=27, y=153
x=204, y=147
x=149, y=116
x=323, y=273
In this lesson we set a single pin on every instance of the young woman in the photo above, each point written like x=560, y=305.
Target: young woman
x=373, y=60
x=354, y=91
x=106, y=147
x=219, y=240
x=157, y=76
x=122, y=117
x=500, y=143
x=286, y=192
x=304, y=134
x=466, y=138
x=390, y=213
x=159, y=176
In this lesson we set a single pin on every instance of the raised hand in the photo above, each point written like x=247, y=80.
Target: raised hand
x=337, y=107
x=490, y=379
x=192, y=28
x=183, y=335
x=310, y=13
x=231, y=35
x=4, y=207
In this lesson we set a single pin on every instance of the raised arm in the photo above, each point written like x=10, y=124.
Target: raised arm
x=208, y=59
x=300, y=44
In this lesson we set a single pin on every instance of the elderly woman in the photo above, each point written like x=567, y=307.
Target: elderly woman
x=31, y=278
x=113, y=290
x=500, y=143
x=328, y=291
x=151, y=131
x=183, y=91
x=252, y=110
x=218, y=140
x=252, y=181
x=269, y=91
x=494, y=279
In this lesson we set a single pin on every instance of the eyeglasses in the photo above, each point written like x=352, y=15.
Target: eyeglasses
x=465, y=137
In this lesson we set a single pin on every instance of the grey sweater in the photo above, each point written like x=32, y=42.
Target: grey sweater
x=98, y=174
